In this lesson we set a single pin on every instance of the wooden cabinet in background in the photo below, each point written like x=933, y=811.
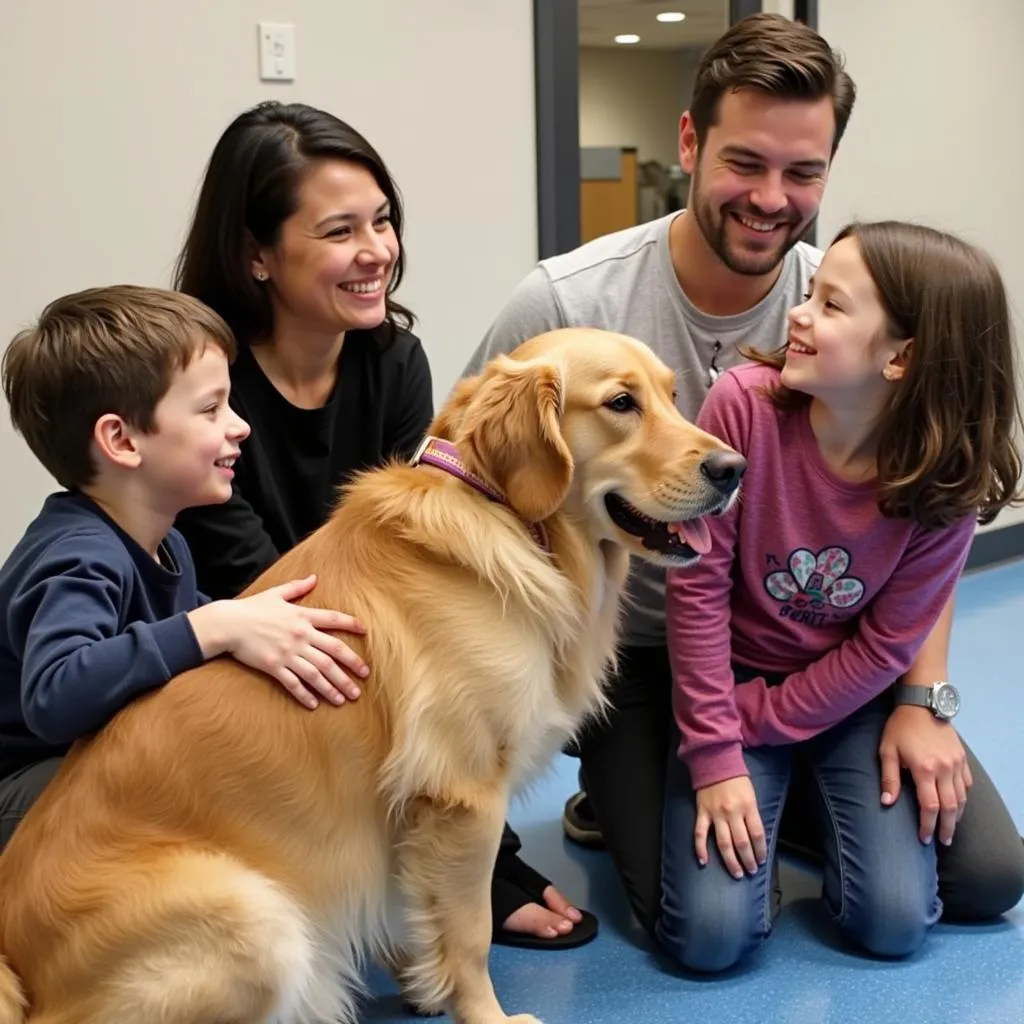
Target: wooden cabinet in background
x=609, y=190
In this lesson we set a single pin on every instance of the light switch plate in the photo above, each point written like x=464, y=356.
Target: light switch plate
x=277, y=52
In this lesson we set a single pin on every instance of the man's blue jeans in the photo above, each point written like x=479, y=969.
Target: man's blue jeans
x=880, y=883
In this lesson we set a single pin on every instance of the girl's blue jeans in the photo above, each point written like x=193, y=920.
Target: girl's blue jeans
x=880, y=881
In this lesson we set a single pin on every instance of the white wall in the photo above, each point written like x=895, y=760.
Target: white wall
x=631, y=97
x=110, y=109
x=936, y=131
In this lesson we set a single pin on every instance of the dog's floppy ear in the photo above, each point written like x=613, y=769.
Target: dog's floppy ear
x=511, y=432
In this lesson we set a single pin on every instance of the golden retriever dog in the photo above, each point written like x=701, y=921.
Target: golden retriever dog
x=220, y=855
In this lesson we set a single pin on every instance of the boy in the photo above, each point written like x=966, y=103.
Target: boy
x=122, y=395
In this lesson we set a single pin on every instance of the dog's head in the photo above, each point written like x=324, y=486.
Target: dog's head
x=585, y=421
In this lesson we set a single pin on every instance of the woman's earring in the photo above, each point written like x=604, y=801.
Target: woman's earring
x=261, y=275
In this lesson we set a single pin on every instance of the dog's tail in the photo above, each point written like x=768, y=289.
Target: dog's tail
x=12, y=999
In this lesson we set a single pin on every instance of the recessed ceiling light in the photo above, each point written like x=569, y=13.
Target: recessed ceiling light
x=627, y=39
x=672, y=16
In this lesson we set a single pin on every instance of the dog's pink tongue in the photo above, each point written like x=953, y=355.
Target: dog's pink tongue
x=695, y=533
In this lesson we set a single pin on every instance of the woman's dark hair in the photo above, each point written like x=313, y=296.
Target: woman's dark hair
x=251, y=187
x=947, y=441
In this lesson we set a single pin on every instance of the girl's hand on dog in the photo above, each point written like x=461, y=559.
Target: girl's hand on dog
x=731, y=808
x=287, y=641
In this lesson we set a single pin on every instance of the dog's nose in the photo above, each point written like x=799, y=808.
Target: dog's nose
x=724, y=470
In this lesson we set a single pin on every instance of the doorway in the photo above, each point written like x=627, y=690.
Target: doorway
x=574, y=46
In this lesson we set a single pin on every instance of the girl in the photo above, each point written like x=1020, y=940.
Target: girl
x=875, y=438
x=297, y=242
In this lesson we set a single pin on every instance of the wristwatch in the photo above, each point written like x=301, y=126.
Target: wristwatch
x=942, y=698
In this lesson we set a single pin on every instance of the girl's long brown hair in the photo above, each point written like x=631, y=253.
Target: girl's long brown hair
x=948, y=440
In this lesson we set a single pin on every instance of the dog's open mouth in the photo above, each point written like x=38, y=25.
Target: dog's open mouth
x=688, y=539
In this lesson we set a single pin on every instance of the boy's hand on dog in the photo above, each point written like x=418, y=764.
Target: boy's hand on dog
x=731, y=808
x=285, y=640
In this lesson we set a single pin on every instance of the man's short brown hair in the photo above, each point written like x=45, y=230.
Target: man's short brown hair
x=105, y=350
x=771, y=54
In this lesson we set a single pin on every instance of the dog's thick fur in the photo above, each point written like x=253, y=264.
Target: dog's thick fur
x=219, y=854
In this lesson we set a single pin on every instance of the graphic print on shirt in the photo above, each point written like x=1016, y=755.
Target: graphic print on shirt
x=815, y=584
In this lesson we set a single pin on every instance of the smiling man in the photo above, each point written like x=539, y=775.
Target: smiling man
x=758, y=168
x=770, y=104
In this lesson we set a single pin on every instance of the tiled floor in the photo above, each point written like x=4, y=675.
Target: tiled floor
x=964, y=975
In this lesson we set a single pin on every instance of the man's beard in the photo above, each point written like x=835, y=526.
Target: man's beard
x=741, y=261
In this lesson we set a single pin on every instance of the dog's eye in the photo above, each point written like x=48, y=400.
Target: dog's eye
x=622, y=403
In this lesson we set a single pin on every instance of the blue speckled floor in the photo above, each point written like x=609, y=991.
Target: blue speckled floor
x=963, y=976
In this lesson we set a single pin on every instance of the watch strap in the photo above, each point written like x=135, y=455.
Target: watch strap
x=920, y=696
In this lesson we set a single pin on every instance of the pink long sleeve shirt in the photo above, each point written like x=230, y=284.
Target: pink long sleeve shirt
x=806, y=578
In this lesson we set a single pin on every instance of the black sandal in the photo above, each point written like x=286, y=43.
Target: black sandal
x=514, y=885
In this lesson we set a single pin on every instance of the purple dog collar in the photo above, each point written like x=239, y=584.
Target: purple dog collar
x=435, y=451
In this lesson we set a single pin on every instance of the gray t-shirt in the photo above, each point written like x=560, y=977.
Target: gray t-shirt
x=625, y=282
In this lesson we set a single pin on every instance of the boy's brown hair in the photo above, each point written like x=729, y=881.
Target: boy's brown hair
x=771, y=54
x=104, y=350
x=947, y=442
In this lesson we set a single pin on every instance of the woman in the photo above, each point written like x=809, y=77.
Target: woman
x=296, y=242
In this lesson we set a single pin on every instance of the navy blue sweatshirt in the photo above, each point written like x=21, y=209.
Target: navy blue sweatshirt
x=90, y=621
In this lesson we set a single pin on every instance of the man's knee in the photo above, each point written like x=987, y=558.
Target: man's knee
x=994, y=889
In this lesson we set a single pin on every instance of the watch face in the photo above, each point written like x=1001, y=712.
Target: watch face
x=947, y=700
